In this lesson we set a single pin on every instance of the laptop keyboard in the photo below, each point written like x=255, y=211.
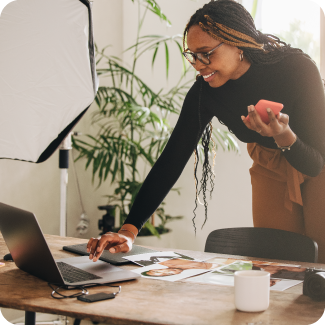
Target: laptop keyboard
x=73, y=274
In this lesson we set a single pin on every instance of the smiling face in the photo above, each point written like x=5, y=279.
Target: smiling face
x=225, y=63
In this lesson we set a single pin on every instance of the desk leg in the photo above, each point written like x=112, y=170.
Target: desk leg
x=30, y=318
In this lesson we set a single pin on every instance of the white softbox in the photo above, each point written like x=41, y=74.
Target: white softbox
x=47, y=74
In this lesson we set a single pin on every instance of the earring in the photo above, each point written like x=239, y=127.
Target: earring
x=241, y=56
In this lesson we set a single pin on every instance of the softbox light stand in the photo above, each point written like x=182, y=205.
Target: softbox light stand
x=47, y=78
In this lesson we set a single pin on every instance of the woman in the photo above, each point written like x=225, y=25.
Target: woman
x=237, y=67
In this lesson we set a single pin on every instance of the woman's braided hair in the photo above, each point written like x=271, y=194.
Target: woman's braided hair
x=229, y=22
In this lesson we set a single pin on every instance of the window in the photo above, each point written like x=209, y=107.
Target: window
x=297, y=22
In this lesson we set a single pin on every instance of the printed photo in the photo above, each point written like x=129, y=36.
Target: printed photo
x=283, y=276
x=276, y=271
x=230, y=269
x=226, y=280
x=227, y=261
x=156, y=257
x=175, y=269
x=282, y=271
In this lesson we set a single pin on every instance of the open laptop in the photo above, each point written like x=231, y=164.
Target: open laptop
x=31, y=254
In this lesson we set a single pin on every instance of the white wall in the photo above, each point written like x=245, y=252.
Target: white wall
x=322, y=45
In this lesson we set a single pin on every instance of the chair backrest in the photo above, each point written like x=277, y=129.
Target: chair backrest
x=263, y=243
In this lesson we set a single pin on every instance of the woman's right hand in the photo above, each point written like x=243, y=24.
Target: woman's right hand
x=113, y=242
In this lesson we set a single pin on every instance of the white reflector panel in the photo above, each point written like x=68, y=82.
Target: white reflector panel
x=45, y=73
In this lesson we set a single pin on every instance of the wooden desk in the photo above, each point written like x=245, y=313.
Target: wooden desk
x=146, y=301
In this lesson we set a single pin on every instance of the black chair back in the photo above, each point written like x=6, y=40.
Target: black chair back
x=262, y=243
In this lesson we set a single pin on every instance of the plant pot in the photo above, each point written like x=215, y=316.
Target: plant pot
x=165, y=240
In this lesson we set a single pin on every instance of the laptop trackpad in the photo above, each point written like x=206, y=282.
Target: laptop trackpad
x=83, y=262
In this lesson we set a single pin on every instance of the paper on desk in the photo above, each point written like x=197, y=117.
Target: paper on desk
x=175, y=269
x=155, y=257
x=283, y=276
x=226, y=261
x=277, y=271
x=2, y=264
x=216, y=278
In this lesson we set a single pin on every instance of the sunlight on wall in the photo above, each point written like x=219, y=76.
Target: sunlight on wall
x=297, y=22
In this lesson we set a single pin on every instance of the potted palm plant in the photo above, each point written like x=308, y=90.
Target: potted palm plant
x=133, y=123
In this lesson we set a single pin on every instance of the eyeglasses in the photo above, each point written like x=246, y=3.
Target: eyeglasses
x=202, y=57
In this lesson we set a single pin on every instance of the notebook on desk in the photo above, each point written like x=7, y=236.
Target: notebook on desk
x=31, y=254
x=106, y=256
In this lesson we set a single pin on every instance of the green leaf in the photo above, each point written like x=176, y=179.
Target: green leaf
x=154, y=55
x=180, y=47
x=254, y=9
x=108, y=166
x=167, y=59
x=114, y=172
x=152, y=229
x=122, y=170
x=154, y=7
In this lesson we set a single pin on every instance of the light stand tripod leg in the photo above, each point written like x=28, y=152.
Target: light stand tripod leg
x=64, y=165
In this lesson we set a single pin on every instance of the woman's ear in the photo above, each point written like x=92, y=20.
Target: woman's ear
x=241, y=55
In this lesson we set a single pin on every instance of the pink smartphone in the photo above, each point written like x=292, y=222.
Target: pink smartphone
x=261, y=107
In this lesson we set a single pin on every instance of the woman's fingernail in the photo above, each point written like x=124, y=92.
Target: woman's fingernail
x=90, y=256
x=268, y=110
x=112, y=250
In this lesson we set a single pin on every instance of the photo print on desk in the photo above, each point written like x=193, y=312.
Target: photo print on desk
x=276, y=271
x=283, y=276
x=155, y=257
x=226, y=261
x=175, y=269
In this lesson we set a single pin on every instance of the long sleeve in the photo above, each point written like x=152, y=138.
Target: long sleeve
x=307, y=120
x=172, y=161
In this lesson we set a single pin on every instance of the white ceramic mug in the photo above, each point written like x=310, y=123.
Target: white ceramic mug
x=252, y=290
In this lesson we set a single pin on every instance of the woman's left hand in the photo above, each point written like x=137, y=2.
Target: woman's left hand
x=278, y=125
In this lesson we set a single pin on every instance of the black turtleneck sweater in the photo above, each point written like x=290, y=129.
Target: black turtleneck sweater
x=295, y=82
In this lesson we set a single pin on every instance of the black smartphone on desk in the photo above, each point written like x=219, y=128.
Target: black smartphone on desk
x=96, y=297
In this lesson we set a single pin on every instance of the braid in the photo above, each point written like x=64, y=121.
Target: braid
x=208, y=174
x=229, y=22
x=207, y=171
